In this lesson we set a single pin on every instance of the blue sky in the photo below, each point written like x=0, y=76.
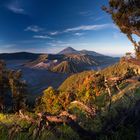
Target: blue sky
x=50, y=25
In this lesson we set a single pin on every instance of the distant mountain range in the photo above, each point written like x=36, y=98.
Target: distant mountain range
x=19, y=55
x=70, y=50
x=63, y=63
x=68, y=60
x=27, y=55
x=43, y=70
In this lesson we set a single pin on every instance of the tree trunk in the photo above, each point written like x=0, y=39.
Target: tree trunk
x=136, y=46
x=138, y=53
x=66, y=118
x=136, y=32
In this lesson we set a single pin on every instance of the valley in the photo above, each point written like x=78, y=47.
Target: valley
x=43, y=70
x=100, y=97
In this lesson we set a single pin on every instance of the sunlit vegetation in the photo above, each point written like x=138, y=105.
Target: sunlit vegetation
x=100, y=105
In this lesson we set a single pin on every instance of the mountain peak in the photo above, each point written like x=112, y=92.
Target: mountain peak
x=68, y=50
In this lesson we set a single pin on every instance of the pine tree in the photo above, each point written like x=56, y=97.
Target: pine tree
x=18, y=89
x=4, y=85
x=10, y=82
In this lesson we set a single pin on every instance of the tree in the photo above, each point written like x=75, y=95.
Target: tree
x=4, y=84
x=49, y=102
x=126, y=15
x=65, y=98
x=18, y=89
x=99, y=83
x=12, y=86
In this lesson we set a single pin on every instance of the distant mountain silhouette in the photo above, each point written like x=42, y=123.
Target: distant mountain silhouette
x=18, y=55
x=68, y=60
x=68, y=63
x=70, y=50
x=43, y=70
x=90, y=53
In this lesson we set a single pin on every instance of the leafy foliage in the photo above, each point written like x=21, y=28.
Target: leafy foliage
x=83, y=97
x=10, y=82
x=126, y=13
x=49, y=102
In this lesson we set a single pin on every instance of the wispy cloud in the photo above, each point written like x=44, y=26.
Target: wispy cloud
x=54, y=33
x=34, y=28
x=89, y=27
x=79, y=34
x=58, y=43
x=15, y=7
x=63, y=44
x=79, y=29
x=42, y=37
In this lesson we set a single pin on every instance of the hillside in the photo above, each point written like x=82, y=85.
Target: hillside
x=117, y=70
x=68, y=58
x=120, y=68
x=66, y=67
x=70, y=63
x=82, y=60
x=44, y=70
x=76, y=81
x=81, y=109
x=19, y=55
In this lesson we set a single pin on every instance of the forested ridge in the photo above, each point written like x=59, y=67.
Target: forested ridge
x=97, y=105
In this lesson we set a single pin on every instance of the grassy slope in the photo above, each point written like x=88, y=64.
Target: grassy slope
x=125, y=99
x=73, y=82
x=118, y=69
